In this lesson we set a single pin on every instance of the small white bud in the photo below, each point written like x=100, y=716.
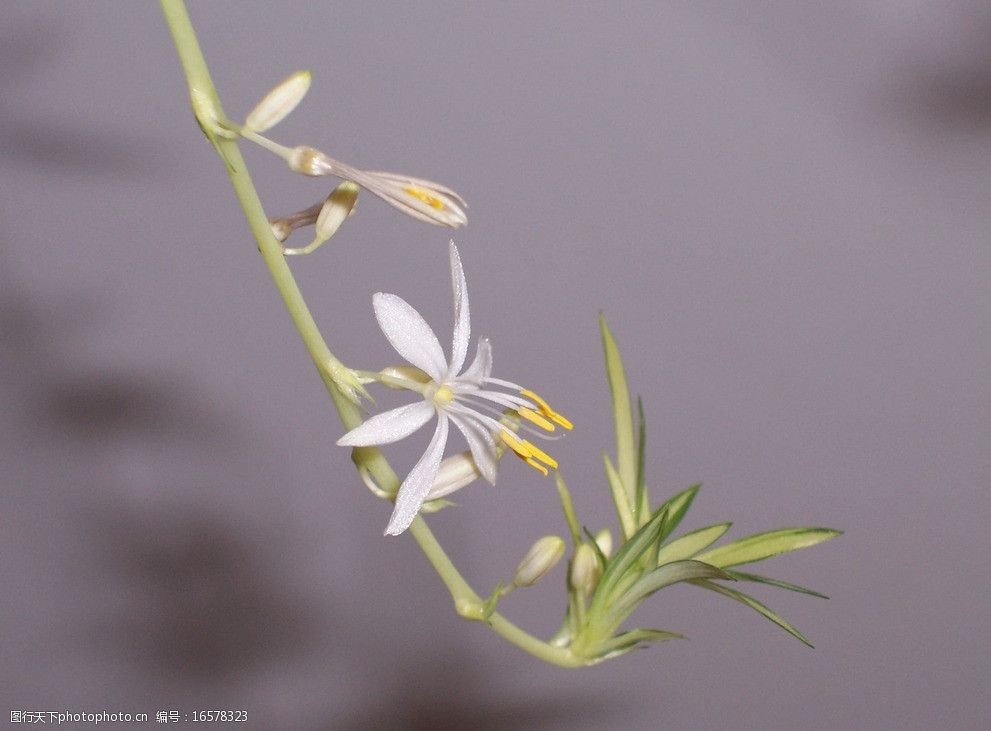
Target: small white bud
x=585, y=570
x=541, y=558
x=603, y=539
x=455, y=472
x=279, y=102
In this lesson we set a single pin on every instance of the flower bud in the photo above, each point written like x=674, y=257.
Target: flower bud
x=603, y=539
x=276, y=105
x=585, y=570
x=541, y=558
x=455, y=472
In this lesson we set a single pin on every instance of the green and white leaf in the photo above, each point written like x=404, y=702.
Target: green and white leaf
x=677, y=506
x=568, y=507
x=755, y=605
x=641, y=502
x=625, y=559
x=764, y=545
x=632, y=640
x=657, y=579
x=741, y=576
x=626, y=457
x=627, y=522
x=689, y=544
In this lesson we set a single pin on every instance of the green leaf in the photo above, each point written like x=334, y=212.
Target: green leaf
x=641, y=503
x=755, y=605
x=626, y=557
x=621, y=644
x=670, y=573
x=764, y=545
x=741, y=576
x=626, y=458
x=689, y=544
x=568, y=507
x=603, y=559
x=626, y=520
x=677, y=506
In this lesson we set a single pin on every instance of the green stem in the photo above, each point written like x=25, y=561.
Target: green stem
x=211, y=118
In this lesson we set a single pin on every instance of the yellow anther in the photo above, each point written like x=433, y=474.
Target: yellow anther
x=528, y=452
x=430, y=200
x=546, y=409
x=561, y=421
x=535, y=418
x=527, y=393
x=542, y=456
x=536, y=465
x=515, y=443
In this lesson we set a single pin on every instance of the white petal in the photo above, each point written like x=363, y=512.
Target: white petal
x=480, y=442
x=389, y=426
x=481, y=366
x=462, y=319
x=417, y=484
x=410, y=334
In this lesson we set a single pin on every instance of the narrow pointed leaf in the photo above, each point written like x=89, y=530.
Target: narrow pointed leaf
x=755, y=605
x=657, y=579
x=689, y=544
x=621, y=644
x=764, y=545
x=677, y=506
x=641, y=503
x=626, y=520
x=626, y=459
x=603, y=559
x=626, y=557
x=741, y=576
x=568, y=507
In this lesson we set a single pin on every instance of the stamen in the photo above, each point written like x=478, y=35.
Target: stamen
x=535, y=418
x=528, y=452
x=421, y=194
x=536, y=465
x=546, y=409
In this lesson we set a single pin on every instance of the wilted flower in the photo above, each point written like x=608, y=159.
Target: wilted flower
x=424, y=200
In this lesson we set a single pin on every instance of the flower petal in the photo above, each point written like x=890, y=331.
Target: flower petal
x=480, y=442
x=462, y=319
x=410, y=334
x=481, y=366
x=389, y=426
x=418, y=482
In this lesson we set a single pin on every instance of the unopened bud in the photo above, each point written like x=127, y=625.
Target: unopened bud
x=585, y=570
x=455, y=472
x=541, y=558
x=276, y=105
x=603, y=539
x=393, y=376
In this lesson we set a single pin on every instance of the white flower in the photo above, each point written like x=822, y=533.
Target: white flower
x=464, y=399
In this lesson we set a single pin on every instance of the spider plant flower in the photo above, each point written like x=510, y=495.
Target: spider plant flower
x=470, y=399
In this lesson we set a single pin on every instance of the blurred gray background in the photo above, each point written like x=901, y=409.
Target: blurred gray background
x=783, y=209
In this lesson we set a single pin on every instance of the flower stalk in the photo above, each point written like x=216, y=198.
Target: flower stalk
x=210, y=116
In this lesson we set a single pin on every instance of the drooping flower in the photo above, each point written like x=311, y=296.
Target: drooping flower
x=471, y=400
